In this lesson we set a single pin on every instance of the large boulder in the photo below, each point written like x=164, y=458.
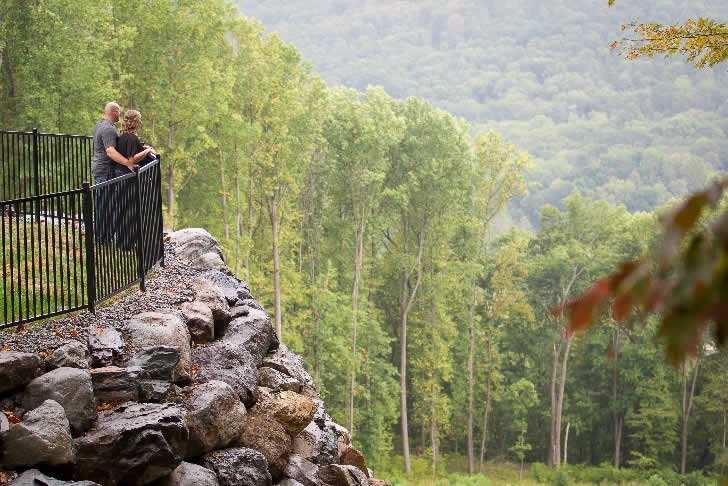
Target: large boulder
x=71, y=388
x=188, y=474
x=264, y=434
x=317, y=444
x=255, y=333
x=290, y=364
x=292, y=410
x=112, y=383
x=198, y=319
x=156, y=362
x=207, y=293
x=71, y=355
x=232, y=288
x=301, y=470
x=277, y=381
x=166, y=329
x=238, y=466
x=106, y=347
x=209, y=261
x=132, y=445
x=215, y=417
x=43, y=437
x=33, y=477
x=190, y=243
x=352, y=457
x=338, y=475
x=289, y=482
x=17, y=369
x=229, y=363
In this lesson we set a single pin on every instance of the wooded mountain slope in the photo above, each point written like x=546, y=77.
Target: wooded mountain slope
x=542, y=74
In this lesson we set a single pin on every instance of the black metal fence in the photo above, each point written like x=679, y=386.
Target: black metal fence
x=73, y=248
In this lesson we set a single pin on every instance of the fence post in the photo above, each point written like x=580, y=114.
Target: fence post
x=138, y=225
x=88, y=223
x=36, y=176
x=161, y=213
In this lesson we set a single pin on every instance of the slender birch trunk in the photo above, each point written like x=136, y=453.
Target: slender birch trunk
x=687, y=406
x=276, y=267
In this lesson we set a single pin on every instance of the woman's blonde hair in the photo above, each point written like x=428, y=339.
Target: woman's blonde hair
x=132, y=121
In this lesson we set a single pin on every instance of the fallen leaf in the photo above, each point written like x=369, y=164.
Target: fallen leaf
x=58, y=332
x=74, y=333
x=99, y=330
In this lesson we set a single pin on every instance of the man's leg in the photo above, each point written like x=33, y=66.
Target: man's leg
x=102, y=221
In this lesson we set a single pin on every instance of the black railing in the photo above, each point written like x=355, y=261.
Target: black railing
x=70, y=250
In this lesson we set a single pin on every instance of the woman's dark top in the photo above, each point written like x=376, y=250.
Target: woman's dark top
x=129, y=145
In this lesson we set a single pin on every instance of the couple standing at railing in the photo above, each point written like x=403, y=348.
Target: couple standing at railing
x=115, y=156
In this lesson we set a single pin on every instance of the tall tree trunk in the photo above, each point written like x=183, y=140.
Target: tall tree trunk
x=560, y=402
x=487, y=405
x=433, y=431
x=170, y=196
x=553, y=440
x=687, y=406
x=617, y=417
x=224, y=197
x=471, y=339
x=249, y=242
x=566, y=443
x=238, y=224
x=358, y=257
x=276, y=267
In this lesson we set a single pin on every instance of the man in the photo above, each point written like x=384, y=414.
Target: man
x=108, y=164
x=106, y=157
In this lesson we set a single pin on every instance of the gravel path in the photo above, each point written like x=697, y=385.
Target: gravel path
x=167, y=288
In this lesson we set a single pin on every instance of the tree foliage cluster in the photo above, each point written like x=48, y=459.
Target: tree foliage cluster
x=542, y=74
x=365, y=225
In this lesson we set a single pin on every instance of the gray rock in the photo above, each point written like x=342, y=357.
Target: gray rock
x=71, y=355
x=165, y=329
x=238, y=466
x=317, y=444
x=251, y=304
x=156, y=362
x=191, y=243
x=338, y=475
x=290, y=364
x=154, y=390
x=301, y=470
x=112, y=383
x=207, y=293
x=4, y=423
x=198, y=319
x=72, y=389
x=230, y=364
x=239, y=310
x=188, y=474
x=215, y=417
x=289, y=482
x=17, y=369
x=132, y=445
x=106, y=347
x=33, y=477
x=208, y=261
x=232, y=288
x=343, y=437
x=255, y=333
x=277, y=381
x=43, y=437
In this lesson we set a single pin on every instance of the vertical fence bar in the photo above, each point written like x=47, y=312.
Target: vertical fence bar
x=88, y=224
x=137, y=205
x=36, y=176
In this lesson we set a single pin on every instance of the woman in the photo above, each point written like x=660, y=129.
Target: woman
x=129, y=145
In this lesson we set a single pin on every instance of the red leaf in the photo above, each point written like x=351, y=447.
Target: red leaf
x=582, y=309
x=687, y=214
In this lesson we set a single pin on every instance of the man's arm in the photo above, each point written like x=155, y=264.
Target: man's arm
x=118, y=158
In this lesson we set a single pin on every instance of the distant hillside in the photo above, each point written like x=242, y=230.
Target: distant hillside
x=542, y=74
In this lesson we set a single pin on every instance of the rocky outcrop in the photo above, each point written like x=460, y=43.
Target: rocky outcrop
x=43, y=437
x=71, y=355
x=249, y=412
x=166, y=329
x=33, y=477
x=238, y=467
x=17, y=369
x=215, y=417
x=133, y=445
x=71, y=388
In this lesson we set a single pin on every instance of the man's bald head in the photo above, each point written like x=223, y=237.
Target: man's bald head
x=112, y=111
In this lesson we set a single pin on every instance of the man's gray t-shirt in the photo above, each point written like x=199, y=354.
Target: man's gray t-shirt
x=105, y=136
